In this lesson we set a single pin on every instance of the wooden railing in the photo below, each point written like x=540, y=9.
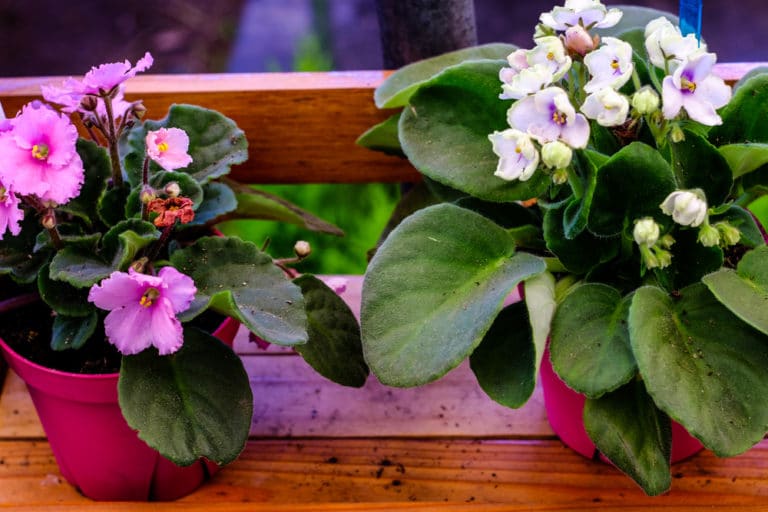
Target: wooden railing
x=318, y=446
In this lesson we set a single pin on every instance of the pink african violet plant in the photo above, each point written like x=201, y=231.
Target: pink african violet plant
x=168, y=148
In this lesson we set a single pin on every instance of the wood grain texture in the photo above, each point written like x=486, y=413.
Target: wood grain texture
x=398, y=474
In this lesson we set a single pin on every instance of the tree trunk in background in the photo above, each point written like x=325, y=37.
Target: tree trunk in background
x=416, y=29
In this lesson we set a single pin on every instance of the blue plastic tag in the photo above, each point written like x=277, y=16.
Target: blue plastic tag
x=690, y=17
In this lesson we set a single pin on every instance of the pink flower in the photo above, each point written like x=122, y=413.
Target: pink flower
x=70, y=98
x=168, y=147
x=10, y=213
x=38, y=155
x=143, y=309
x=108, y=76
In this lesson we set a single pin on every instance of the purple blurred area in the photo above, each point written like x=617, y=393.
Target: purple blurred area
x=64, y=37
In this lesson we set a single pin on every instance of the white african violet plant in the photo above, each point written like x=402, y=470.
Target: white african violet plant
x=608, y=168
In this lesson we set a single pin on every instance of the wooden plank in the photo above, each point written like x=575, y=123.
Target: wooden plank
x=534, y=475
x=18, y=418
x=301, y=127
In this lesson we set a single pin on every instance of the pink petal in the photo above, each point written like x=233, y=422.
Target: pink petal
x=165, y=329
x=179, y=290
x=126, y=328
x=65, y=181
x=116, y=291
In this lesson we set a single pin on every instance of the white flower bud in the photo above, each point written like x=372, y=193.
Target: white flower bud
x=645, y=101
x=687, y=207
x=646, y=232
x=708, y=235
x=556, y=155
x=173, y=189
x=302, y=249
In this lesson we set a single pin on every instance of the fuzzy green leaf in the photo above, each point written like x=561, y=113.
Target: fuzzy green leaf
x=590, y=341
x=504, y=362
x=627, y=428
x=698, y=164
x=383, y=137
x=433, y=290
x=744, y=158
x=398, y=88
x=236, y=279
x=334, y=349
x=218, y=200
x=445, y=132
x=191, y=404
x=744, y=116
x=702, y=365
x=62, y=297
x=71, y=332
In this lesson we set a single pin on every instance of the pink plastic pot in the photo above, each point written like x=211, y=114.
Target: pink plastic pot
x=95, y=449
x=565, y=409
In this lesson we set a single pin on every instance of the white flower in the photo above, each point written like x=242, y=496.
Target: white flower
x=548, y=115
x=588, y=13
x=518, y=157
x=693, y=87
x=687, y=207
x=556, y=155
x=532, y=70
x=607, y=107
x=549, y=51
x=610, y=65
x=519, y=84
x=646, y=100
x=666, y=44
x=646, y=232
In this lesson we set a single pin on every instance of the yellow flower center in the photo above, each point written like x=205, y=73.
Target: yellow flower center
x=3, y=194
x=687, y=84
x=615, y=64
x=518, y=150
x=40, y=151
x=162, y=147
x=558, y=117
x=550, y=56
x=149, y=297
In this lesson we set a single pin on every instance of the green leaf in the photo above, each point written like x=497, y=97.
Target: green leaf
x=194, y=403
x=702, y=365
x=504, y=361
x=79, y=267
x=759, y=70
x=691, y=260
x=582, y=253
x=188, y=185
x=397, y=89
x=62, y=297
x=98, y=169
x=590, y=341
x=215, y=141
x=236, y=279
x=541, y=306
x=445, y=132
x=627, y=428
x=698, y=164
x=383, y=137
x=112, y=205
x=218, y=200
x=334, y=348
x=257, y=204
x=577, y=211
x=745, y=290
x=432, y=292
x=71, y=332
x=631, y=185
x=744, y=116
x=17, y=255
x=744, y=158
x=122, y=242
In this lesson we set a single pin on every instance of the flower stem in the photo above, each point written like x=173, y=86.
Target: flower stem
x=117, y=171
x=144, y=183
x=18, y=301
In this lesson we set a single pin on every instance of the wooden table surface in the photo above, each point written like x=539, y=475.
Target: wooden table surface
x=443, y=447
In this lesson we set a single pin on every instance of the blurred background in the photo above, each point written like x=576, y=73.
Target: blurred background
x=60, y=37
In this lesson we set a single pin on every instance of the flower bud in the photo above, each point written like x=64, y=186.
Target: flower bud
x=729, y=234
x=664, y=257
x=677, y=135
x=646, y=232
x=708, y=235
x=138, y=110
x=147, y=195
x=687, y=207
x=302, y=249
x=578, y=40
x=140, y=264
x=89, y=103
x=172, y=189
x=560, y=176
x=645, y=101
x=556, y=154
x=49, y=220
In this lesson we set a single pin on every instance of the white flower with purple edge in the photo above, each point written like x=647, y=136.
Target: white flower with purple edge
x=547, y=116
x=610, y=65
x=693, y=87
x=518, y=156
x=143, y=308
x=588, y=13
x=607, y=107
